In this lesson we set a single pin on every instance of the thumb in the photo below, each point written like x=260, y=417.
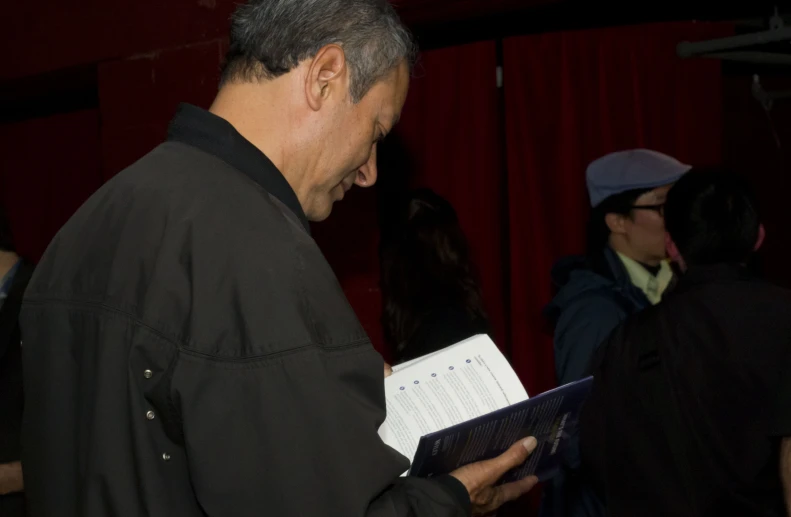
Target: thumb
x=513, y=457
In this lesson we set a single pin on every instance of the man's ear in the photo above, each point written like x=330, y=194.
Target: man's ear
x=672, y=249
x=326, y=76
x=673, y=253
x=761, y=236
x=615, y=222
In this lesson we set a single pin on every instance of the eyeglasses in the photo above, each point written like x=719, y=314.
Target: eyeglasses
x=660, y=208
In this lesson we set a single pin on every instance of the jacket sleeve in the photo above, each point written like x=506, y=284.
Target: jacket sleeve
x=296, y=434
x=582, y=326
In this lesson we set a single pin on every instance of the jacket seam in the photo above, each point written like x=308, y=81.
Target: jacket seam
x=354, y=343
x=280, y=354
x=107, y=308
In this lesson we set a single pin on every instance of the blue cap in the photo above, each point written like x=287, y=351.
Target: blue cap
x=631, y=170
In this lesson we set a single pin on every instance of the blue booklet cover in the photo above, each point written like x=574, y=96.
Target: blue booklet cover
x=552, y=418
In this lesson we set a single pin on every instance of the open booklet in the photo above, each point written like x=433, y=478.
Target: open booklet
x=465, y=403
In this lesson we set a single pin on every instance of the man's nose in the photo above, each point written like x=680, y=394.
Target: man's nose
x=366, y=175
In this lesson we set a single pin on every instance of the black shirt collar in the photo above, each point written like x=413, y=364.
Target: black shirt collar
x=212, y=134
x=715, y=273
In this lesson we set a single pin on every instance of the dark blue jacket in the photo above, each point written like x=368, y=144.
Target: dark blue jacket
x=594, y=296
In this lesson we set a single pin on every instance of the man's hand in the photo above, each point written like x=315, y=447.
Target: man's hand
x=479, y=478
x=11, y=478
x=388, y=371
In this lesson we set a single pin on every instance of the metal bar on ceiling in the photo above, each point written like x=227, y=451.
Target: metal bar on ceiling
x=690, y=49
x=763, y=58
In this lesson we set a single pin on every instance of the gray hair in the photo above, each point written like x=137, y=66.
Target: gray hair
x=269, y=38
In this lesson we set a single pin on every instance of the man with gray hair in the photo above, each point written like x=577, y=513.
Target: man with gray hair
x=187, y=349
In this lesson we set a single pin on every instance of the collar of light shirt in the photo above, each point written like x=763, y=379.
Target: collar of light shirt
x=653, y=286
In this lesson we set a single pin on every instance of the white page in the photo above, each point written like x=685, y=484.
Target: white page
x=456, y=384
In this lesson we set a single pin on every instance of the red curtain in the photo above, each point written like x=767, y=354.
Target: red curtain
x=139, y=96
x=570, y=98
x=48, y=168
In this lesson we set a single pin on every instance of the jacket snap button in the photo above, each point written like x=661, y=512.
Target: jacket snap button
x=148, y=374
x=150, y=415
x=166, y=456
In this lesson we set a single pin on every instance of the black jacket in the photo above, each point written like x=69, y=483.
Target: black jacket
x=685, y=414
x=189, y=352
x=11, y=395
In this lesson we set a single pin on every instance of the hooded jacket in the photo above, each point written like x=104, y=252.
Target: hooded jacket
x=593, y=297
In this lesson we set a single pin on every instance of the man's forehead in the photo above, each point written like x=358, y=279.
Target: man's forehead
x=399, y=82
x=656, y=193
x=388, y=95
x=663, y=190
x=390, y=109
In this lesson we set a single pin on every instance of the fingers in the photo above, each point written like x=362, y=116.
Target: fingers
x=511, y=458
x=388, y=370
x=511, y=491
x=479, y=478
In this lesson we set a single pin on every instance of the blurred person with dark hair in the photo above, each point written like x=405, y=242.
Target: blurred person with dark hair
x=623, y=272
x=14, y=276
x=690, y=404
x=431, y=295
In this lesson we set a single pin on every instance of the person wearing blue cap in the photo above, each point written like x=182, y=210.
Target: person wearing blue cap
x=689, y=411
x=624, y=271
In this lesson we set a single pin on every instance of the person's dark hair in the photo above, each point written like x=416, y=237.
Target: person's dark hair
x=598, y=233
x=712, y=216
x=425, y=263
x=271, y=37
x=6, y=238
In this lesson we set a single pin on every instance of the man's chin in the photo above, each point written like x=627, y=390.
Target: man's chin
x=319, y=214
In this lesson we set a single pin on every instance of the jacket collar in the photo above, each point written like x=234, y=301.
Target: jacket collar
x=652, y=285
x=621, y=279
x=715, y=273
x=617, y=269
x=214, y=135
